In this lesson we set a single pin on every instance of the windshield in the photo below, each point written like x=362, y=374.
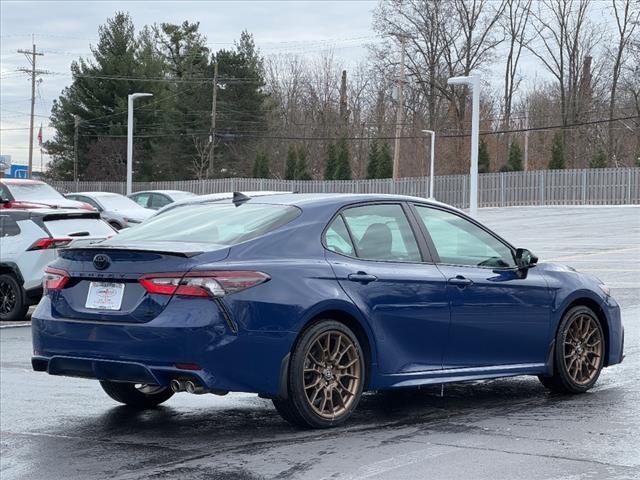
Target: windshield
x=210, y=223
x=116, y=202
x=33, y=191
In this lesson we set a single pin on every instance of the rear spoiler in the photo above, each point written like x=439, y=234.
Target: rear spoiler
x=47, y=217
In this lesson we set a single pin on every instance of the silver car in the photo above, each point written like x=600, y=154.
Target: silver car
x=156, y=199
x=118, y=210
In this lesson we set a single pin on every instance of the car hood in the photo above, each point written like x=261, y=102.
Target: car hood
x=139, y=214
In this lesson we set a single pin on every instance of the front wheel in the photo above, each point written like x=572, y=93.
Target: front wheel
x=137, y=395
x=326, y=377
x=579, y=352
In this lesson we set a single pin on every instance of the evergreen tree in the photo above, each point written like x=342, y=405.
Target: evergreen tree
x=385, y=162
x=302, y=167
x=331, y=163
x=557, y=153
x=261, y=165
x=483, y=157
x=372, y=165
x=514, y=162
x=290, y=168
x=343, y=167
x=599, y=160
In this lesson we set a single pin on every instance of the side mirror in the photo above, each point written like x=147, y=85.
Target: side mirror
x=525, y=259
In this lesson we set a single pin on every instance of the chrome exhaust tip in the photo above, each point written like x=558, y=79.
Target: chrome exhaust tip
x=192, y=387
x=177, y=386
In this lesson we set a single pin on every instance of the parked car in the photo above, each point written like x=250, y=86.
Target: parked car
x=29, y=240
x=21, y=193
x=118, y=210
x=156, y=199
x=312, y=299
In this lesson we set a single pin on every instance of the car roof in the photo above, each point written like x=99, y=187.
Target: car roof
x=162, y=191
x=21, y=181
x=320, y=199
x=96, y=194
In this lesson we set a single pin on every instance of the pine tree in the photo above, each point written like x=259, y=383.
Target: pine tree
x=514, y=162
x=302, y=167
x=343, y=167
x=599, y=160
x=557, y=153
x=290, y=169
x=385, y=162
x=331, y=163
x=372, y=165
x=483, y=157
x=261, y=165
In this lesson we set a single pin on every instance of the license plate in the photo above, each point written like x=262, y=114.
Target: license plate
x=105, y=296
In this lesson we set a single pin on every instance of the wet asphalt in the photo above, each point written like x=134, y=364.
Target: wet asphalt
x=63, y=428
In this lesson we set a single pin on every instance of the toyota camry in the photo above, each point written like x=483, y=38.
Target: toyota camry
x=310, y=300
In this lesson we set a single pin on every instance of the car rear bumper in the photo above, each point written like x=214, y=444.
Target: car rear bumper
x=192, y=333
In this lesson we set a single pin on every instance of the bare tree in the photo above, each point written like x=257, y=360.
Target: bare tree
x=627, y=15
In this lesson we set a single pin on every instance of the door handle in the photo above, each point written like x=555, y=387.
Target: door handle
x=460, y=281
x=362, y=277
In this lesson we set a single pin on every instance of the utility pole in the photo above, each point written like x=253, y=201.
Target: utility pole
x=31, y=56
x=76, y=122
x=212, y=136
x=526, y=138
x=400, y=112
x=344, y=111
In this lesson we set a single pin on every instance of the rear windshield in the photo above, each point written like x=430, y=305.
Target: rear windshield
x=79, y=227
x=210, y=223
x=33, y=191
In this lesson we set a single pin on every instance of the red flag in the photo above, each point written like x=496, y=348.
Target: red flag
x=40, y=136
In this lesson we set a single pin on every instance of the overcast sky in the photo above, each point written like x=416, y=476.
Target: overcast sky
x=65, y=30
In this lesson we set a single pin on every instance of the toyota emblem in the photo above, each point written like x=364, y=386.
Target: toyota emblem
x=101, y=261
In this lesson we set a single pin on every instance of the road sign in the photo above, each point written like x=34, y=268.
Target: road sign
x=17, y=171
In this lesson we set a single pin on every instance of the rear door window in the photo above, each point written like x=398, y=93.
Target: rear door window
x=142, y=199
x=382, y=232
x=8, y=226
x=159, y=201
x=337, y=238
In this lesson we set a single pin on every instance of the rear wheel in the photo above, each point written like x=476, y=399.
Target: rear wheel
x=579, y=352
x=326, y=377
x=137, y=395
x=12, y=301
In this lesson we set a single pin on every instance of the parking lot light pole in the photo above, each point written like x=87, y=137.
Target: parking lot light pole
x=432, y=167
x=474, y=82
x=131, y=98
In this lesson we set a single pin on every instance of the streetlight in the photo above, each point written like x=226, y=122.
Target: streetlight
x=474, y=82
x=433, y=153
x=131, y=98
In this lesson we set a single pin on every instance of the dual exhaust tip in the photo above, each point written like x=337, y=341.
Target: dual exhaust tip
x=188, y=386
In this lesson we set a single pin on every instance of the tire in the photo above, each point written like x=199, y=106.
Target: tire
x=324, y=392
x=578, y=353
x=12, y=299
x=134, y=396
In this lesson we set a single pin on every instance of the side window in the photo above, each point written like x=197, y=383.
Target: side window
x=90, y=201
x=142, y=199
x=159, y=201
x=337, y=239
x=382, y=232
x=8, y=227
x=4, y=192
x=460, y=242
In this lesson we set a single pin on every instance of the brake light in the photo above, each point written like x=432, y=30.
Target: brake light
x=86, y=206
x=202, y=284
x=54, y=279
x=45, y=243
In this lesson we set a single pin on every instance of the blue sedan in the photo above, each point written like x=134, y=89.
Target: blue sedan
x=312, y=299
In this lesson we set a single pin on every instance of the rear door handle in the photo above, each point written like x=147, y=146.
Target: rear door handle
x=460, y=281
x=362, y=277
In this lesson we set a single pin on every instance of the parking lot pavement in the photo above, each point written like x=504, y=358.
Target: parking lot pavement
x=62, y=428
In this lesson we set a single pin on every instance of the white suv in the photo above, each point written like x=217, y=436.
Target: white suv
x=29, y=240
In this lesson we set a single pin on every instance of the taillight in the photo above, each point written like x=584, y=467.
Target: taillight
x=202, y=284
x=54, y=279
x=23, y=205
x=45, y=243
x=86, y=206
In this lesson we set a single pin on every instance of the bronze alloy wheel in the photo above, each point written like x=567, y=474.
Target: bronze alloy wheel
x=583, y=348
x=332, y=374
